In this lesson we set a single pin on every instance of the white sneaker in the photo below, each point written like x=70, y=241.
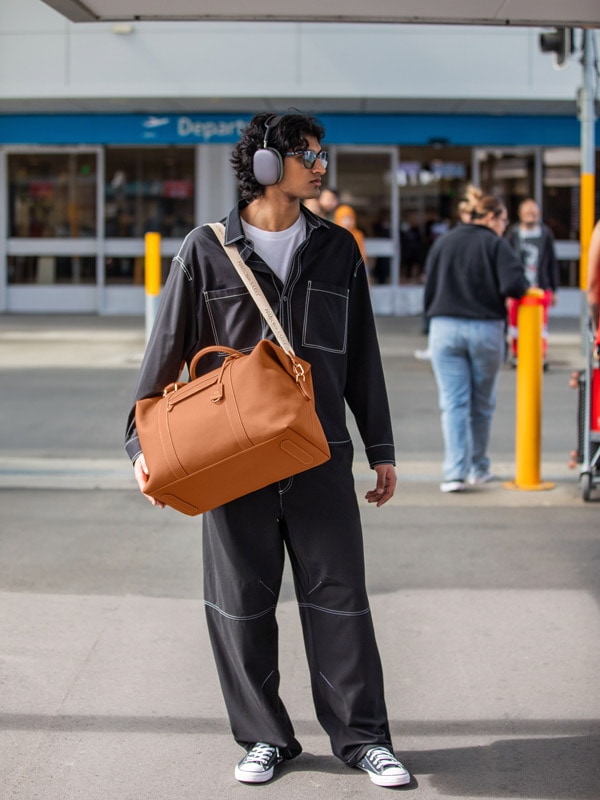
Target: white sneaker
x=259, y=763
x=452, y=486
x=383, y=768
x=423, y=355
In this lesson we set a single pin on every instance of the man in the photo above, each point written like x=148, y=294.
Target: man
x=329, y=200
x=593, y=286
x=534, y=242
x=315, y=280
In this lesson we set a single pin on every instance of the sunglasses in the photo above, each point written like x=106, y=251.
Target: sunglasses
x=309, y=157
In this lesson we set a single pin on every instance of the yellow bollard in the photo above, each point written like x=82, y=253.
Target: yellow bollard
x=152, y=278
x=529, y=395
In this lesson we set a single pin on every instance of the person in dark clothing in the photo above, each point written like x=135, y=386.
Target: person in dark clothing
x=593, y=283
x=470, y=271
x=534, y=242
x=315, y=280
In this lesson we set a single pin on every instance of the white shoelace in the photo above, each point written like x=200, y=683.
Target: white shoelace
x=382, y=758
x=260, y=754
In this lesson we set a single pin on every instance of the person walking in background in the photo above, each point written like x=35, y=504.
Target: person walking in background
x=534, y=242
x=346, y=217
x=593, y=286
x=578, y=376
x=329, y=200
x=464, y=212
x=325, y=205
x=470, y=271
x=464, y=216
x=312, y=275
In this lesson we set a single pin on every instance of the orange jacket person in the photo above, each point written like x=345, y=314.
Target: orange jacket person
x=346, y=217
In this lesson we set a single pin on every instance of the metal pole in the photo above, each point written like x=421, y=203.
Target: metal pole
x=587, y=118
x=152, y=278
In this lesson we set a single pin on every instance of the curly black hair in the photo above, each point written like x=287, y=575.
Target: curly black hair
x=290, y=133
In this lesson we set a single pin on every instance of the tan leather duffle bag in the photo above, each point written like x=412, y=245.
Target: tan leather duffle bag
x=238, y=428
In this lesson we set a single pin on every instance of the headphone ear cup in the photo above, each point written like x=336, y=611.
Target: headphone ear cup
x=267, y=166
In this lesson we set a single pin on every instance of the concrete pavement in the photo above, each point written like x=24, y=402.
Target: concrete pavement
x=485, y=604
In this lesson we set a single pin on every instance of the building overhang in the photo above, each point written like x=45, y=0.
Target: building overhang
x=527, y=13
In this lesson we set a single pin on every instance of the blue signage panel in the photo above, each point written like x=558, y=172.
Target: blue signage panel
x=467, y=130
x=383, y=129
x=121, y=128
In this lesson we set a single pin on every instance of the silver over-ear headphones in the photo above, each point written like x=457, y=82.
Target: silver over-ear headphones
x=267, y=163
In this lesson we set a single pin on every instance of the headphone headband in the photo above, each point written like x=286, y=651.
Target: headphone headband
x=271, y=123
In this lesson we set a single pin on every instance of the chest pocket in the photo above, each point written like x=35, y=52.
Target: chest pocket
x=234, y=318
x=326, y=317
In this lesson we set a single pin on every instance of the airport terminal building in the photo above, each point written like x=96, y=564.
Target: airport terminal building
x=108, y=131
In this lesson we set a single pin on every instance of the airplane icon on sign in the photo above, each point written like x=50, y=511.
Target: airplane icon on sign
x=155, y=122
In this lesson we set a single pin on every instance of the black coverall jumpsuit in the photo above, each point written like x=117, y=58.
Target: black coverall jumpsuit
x=325, y=309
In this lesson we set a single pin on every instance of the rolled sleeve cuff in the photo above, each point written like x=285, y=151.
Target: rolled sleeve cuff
x=133, y=448
x=381, y=454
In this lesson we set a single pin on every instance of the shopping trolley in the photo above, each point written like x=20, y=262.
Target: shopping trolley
x=588, y=416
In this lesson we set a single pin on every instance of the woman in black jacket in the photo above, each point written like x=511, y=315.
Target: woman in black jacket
x=470, y=272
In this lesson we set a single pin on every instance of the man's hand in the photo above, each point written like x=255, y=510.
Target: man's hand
x=386, y=485
x=140, y=470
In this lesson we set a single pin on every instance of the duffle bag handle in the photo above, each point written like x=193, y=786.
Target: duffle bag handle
x=213, y=348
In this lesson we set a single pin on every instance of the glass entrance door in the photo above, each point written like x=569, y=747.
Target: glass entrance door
x=364, y=179
x=431, y=181
x=551, y=176
x=52, y=229
x=404, y=198
x=510, y=173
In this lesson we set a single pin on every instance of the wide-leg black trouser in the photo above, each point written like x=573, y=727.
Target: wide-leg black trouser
x=315, y=517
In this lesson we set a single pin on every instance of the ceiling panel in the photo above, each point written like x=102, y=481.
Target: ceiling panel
x=538, y=13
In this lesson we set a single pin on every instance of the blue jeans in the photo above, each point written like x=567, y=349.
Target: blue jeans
x=466, y=356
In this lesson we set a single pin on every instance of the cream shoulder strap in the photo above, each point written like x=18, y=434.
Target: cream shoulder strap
x=251, y=284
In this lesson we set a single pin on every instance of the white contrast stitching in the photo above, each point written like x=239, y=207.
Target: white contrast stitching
x=183, y=266
x=327, y=682
x=262, y=686
x=268, y=588
x=233, y=616
x=333, y=611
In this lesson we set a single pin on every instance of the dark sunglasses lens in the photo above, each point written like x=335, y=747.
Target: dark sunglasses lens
x=310, y=157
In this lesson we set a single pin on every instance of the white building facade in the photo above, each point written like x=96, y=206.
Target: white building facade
x=110, y=131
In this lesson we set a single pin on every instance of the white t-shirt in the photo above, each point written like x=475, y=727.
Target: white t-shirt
x=277, y=248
